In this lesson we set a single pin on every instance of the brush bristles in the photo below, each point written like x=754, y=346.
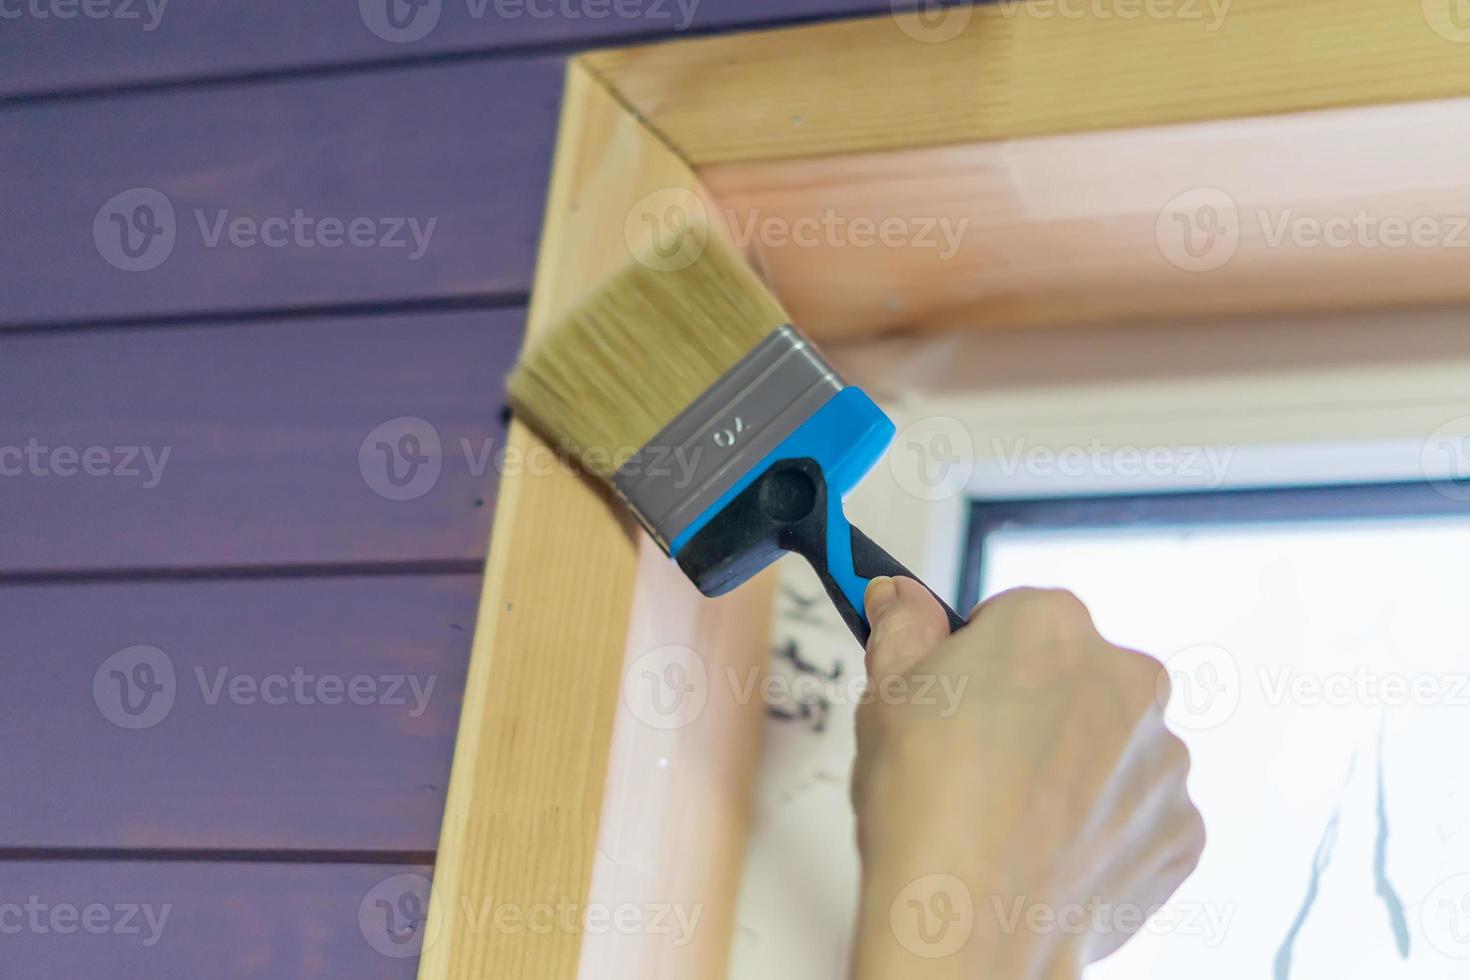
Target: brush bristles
x=637, y=351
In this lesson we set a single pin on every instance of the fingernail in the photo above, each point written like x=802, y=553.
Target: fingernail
x=881, y=594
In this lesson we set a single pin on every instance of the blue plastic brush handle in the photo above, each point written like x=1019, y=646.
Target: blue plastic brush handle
x=792, y=501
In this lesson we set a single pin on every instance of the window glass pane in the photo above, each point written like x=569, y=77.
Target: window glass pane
x=1322, y=681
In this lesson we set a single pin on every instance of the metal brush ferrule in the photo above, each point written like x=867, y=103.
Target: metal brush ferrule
x=696, y=459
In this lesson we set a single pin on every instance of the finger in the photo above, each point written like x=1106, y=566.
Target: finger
x=907, y=623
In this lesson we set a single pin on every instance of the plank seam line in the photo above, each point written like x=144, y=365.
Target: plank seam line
x=323, y=311
x=187, y=855
x=237, y=573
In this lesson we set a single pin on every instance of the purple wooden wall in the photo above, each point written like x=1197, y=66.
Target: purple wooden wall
x=262, y=272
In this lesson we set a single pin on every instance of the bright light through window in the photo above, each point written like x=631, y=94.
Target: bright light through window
x=1322, y=681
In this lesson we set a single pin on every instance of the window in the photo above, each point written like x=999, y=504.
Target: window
x=1317, y=640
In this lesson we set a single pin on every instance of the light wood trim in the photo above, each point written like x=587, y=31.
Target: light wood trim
x=678, y=805
x=1090, y=227
x=566, y=601
x=1012, y=70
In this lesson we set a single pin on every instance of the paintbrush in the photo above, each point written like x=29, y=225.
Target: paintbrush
x=681, y=383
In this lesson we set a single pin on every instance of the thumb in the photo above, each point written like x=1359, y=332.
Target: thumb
x=907, y=623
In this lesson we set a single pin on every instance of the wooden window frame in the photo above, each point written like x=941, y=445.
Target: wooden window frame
x=1063, y=140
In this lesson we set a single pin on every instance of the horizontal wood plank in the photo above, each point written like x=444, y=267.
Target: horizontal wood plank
x=288, y=714
x=158, y=41
x=252, y=443
x=82, y=920
x=1018, y=68
x=1344, y=209
x=391, y=186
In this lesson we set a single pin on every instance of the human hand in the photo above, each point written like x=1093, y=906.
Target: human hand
x=1025, y=824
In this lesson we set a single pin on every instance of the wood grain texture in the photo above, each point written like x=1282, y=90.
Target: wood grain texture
x=681, y=775
x=225, y=921
x=273, y=434
x=463, y=145
x=227, y=758
x=523, y=815
x=1020, y=68
x=1349, y=208
x=220, y=37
